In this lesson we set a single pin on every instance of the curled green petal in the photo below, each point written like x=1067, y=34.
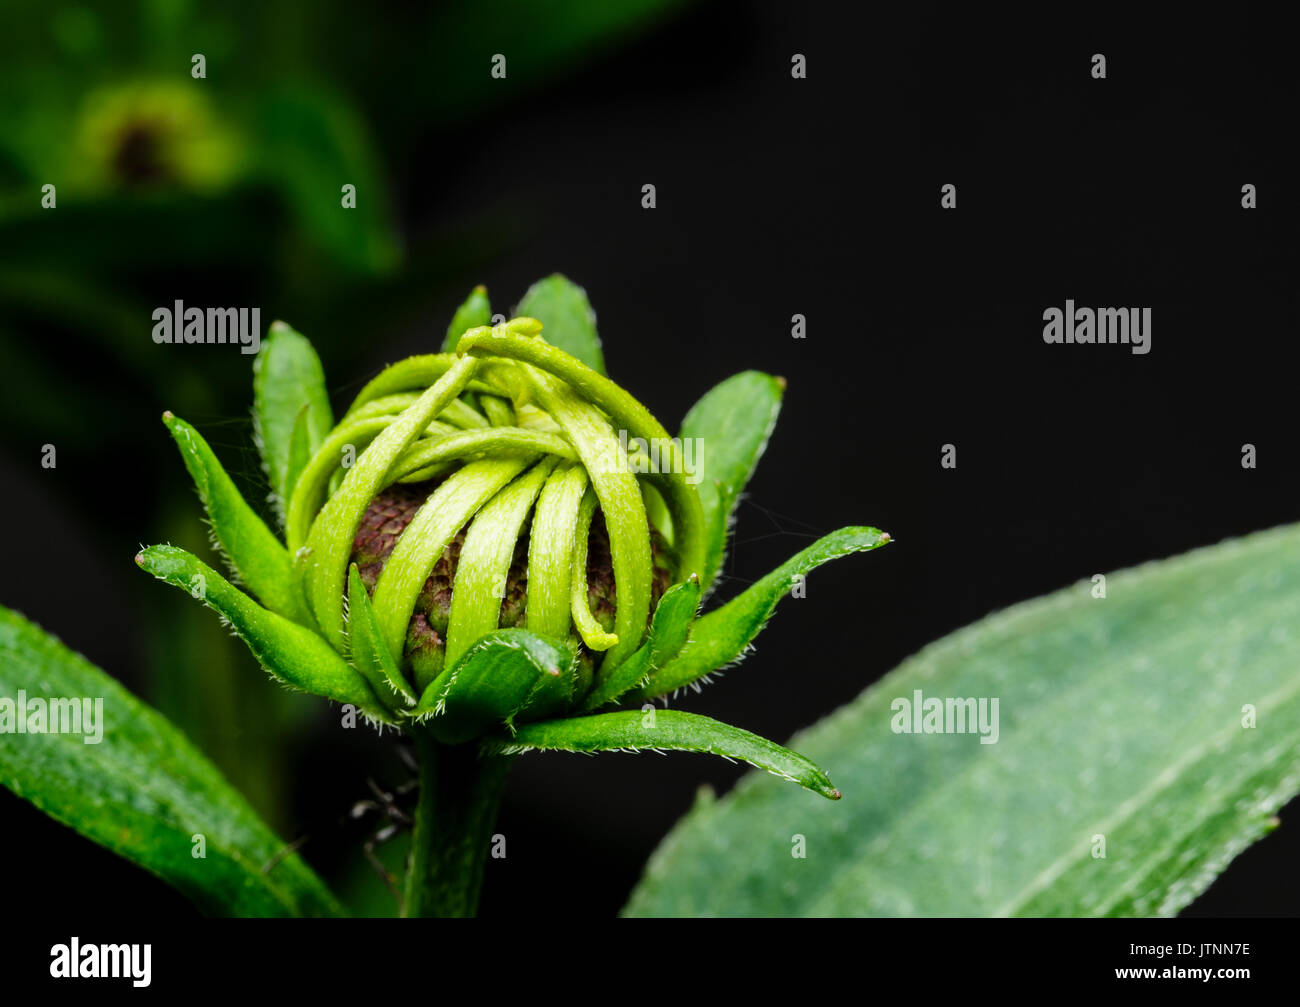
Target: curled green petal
x=414, y=374
x=477, y=444
x=253, y=550
x=621, y=505
x=669, y=630
x=485, y=560
x=550, y=551
x=370, y=655
x=722, y=636
x=497, y=410
x=627, y=415
x=663, y=730
x=330, y=538
x=313, y=482
x=499, y=677
x=592, y=632
x=446, y=511
x=289, y=652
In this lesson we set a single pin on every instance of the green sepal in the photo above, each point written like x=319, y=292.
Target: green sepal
x=476, y=311
x=256, y=555
x=500, y=676
x=301, y=449
x=722, y=636
x=570, y=322
x=287, y=376
x=731, y=423
x=669, y=630
x=663, y=730
x=288, y=652
x=370, y=656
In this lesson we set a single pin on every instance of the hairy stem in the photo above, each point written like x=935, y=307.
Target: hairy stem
x=459, y=797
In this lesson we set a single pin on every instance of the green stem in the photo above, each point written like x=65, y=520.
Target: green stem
x=459, y=797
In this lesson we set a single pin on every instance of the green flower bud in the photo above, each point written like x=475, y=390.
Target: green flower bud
x=496, y=543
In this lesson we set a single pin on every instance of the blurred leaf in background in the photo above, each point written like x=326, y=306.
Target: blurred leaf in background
x=227, y=189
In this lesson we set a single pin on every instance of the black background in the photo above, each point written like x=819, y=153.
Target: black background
x=821, y=197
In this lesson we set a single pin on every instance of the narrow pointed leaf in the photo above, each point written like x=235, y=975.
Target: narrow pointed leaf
x=142, y=790
x=729, y=428
x=294, y=655
x=256, y=554
x=287, y=376
x=722, y=636
x=663, y=730
x=1159, y=726
x=668, y=633
x=567, y=318
x=495, y=680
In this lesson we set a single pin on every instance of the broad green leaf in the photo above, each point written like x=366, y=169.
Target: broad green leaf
x=723, y=635
x=668, y=632
x=291, y=653
x=255, y=553
x=476, y=311
x=663, y=730
x=567, y=318
x=1162, y=721
x=287, y=377
x=729, y=427
x=495, y=680
x=141, y=790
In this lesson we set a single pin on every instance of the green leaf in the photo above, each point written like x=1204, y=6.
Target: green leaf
x=663, y=730
x=731, y=424
x=294, y=655
x=494, y=681
x=476, y=311
x=668, y=632
x=1124, y=718
x=287, y=377
x=567, y=318
x=255, y=553
x=142, y=791
x=723, y=635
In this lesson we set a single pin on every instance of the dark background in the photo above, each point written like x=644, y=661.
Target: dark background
x=775, y=196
